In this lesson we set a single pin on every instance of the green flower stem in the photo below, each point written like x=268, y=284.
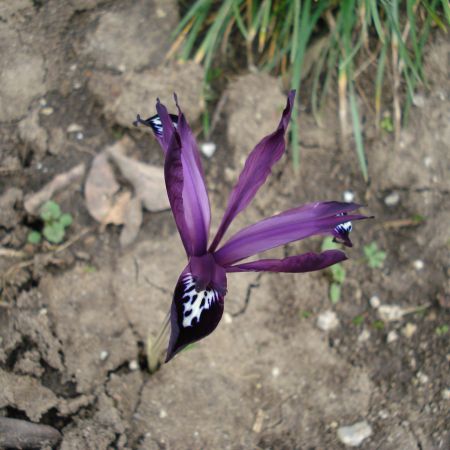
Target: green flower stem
x=156, y=347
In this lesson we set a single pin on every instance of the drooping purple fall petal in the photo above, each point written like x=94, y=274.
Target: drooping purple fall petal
x=255, y=172
x=306, y=262
x=197, y=304
x=289, y=226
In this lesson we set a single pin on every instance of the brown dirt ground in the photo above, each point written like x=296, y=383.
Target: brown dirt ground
x=268, y=378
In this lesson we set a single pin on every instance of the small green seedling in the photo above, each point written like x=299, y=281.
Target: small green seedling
x=378, y=324
x=305, y=314
x=442, y=330
x=374, y=257
x=386, y=124
x=55, y=224
x=358, y=320
x=337, y=272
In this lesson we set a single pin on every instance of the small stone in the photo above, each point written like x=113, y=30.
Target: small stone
x=383, y=414
x=122, y=68
x=334, y=424
x=419, y=100
x=275, y=372
x=427, y=161
x=74, y=128
x=390, y=313
x=423, y=378
x=208, y=149
x=73, y=67
x=103, y=355
x=77, y=85
x=446, y=394
x=418, y=264
x=364, y=336
x=42, y=102
x=43, y=311
x=348, y=196
x=355, y=434
x=163, y=414
x=392, y=199
x=327, y=321
x=227, y=317
x=375, y=302
x=133, y=365
x=47, y=111
x=409, y=329
x=160, y=13
x=79, y=136
x=391, y=337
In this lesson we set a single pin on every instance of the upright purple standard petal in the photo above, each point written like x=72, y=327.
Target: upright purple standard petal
x=256, y=170
x=289, y=226
x=195, y=195
x=173, y=175
x=306, y=262
x=192, y=202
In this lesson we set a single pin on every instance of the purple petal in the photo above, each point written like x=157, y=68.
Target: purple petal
x=195, y=195
x=307, y=262
x=256, y=170
x=289, y=226
x=188, y=194
x=195, y=313
x=173, y=174
x=155, y=123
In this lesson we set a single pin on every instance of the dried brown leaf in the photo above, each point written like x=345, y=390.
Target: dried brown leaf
x=147, y=180
x=133, y=221
x=100, y=187
x=118, y=211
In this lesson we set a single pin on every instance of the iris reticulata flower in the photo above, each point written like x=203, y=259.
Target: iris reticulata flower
x=198, y=299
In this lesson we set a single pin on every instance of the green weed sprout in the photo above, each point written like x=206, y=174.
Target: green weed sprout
x=55, y=224
x=336, y=271
x=374, y=257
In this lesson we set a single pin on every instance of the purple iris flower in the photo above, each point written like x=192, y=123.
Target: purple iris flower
x=198, y=300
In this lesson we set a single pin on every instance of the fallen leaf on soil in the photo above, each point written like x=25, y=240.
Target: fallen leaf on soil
x=118, y=212
x=133, y=221
x=147, y=180
x=61, y=181
x=393, y=313
x=100, y=187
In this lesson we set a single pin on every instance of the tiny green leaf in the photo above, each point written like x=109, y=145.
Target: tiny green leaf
x=34, y=237
x=375, y=258
x=442, y=330
x=305, y=314
x=335, y=292
x=358, y=320
x=54, y=232
x=66, y=220
x=338, y=273
x=378, y=324
x=50, y=210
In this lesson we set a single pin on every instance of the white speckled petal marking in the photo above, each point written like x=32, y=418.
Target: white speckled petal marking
x=195, y=302
x=345, y=227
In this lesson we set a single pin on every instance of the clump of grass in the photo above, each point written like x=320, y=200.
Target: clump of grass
x=333, y=42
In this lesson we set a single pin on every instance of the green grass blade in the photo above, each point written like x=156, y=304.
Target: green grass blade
x=358, y=133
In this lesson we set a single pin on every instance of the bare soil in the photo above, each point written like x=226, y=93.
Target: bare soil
x=74, y=322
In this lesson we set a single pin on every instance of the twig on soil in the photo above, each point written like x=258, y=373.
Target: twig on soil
x=11, y=253
x=399, y=223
